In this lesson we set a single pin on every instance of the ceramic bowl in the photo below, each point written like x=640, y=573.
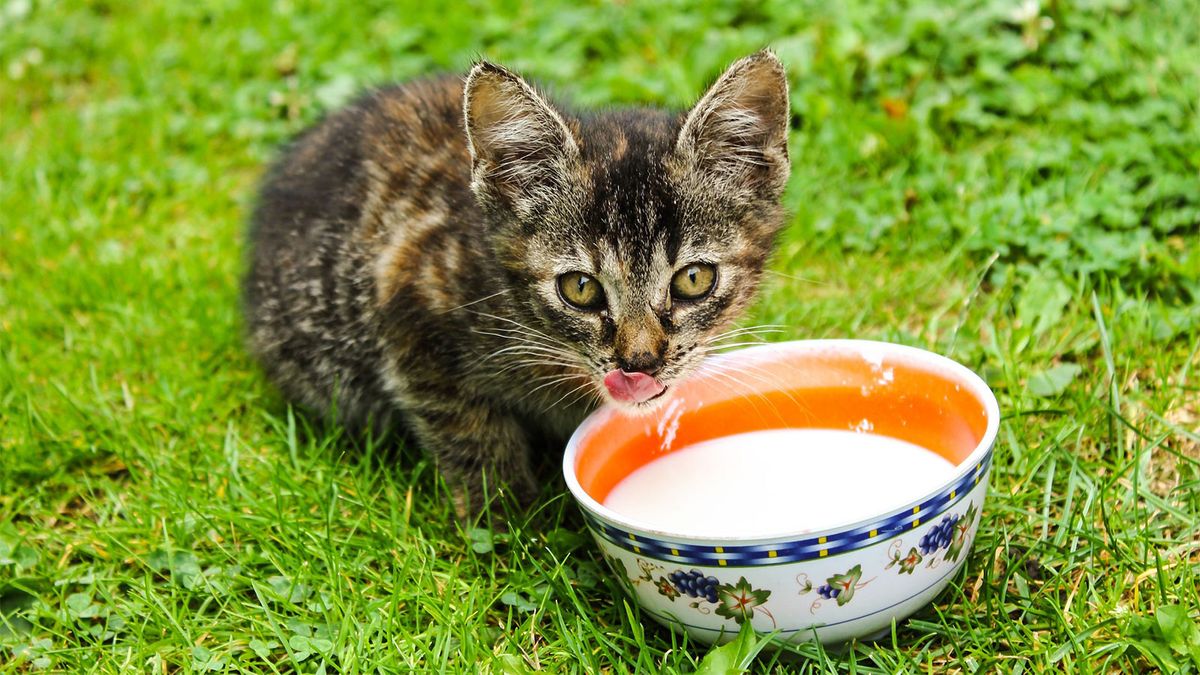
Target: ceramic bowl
x=850, y=581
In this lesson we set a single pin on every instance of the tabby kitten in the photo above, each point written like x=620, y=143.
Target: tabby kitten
x=483, y=266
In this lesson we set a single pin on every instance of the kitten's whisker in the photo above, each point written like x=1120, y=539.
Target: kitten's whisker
x=742, y=388
x=532, y=363
x=756, y=325
x=723, y=370
x=756, y=373
x=794, y=277
x=761, y=335
x=738, y=329
x=761, y=328
x=521, y=332
x=557, y=380
x=526, y=344
x=522, y=326
x=543, y=359
x=582, y=396
x=736, y=338
x=544, y=386
x=722, y=348
x=526, y=348
x=524, y=359
x=752, y=335
x=515, y=335
x=560, y=398
x=509, y=332
x=540, y=378
x=735, y=343
x=473, y=302
x=520, y=346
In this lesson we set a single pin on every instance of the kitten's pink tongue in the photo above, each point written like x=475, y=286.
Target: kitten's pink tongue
x=632, y=387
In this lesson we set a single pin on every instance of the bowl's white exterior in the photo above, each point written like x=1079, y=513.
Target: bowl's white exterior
x=849, y=582
x=888, y=585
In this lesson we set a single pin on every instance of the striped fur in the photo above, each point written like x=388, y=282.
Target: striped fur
x=404, y=255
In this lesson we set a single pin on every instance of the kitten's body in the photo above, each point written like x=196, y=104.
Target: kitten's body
x=371, y=281
x=403, y=270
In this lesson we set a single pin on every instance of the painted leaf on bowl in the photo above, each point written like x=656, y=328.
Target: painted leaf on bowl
x=951, y=534
x=737, y=601
x=909, y=562
x=647, y=569
x=841, y=587
x=958, y=539
x=806, y=584
x=970, y=513
x=620, y=573
x=667, y=589
x=958, y=536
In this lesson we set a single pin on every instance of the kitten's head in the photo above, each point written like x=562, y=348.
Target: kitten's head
x=631, y=239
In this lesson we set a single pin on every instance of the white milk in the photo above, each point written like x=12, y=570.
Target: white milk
x=778, y=481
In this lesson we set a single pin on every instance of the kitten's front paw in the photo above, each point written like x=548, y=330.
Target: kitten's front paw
x=471, y=498
x=482, y=453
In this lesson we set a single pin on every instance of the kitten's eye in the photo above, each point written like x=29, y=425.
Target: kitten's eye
x=694, y=281
x=581, y=291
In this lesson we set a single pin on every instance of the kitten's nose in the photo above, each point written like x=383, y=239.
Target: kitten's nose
x=642, y=362
x=640, y=345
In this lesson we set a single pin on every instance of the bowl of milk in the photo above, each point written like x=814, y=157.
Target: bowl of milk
x=820, y=489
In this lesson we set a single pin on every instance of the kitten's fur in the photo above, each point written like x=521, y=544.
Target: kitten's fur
x=405, y=252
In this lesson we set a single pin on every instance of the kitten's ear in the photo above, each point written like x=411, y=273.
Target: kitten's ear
x=520, y=146
x=736, y=135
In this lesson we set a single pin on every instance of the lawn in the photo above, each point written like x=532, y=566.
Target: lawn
x=1011, y=184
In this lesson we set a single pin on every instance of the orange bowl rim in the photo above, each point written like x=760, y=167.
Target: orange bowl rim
x=942, y=365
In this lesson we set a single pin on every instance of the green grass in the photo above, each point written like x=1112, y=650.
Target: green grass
x=1020, y=191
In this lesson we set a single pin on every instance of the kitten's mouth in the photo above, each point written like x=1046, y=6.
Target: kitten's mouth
x=633, y=388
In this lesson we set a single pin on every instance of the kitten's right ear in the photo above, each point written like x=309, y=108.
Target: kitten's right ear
x=735, y=137
x=520, y=146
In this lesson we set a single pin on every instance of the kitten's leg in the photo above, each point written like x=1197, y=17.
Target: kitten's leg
x=480, y=451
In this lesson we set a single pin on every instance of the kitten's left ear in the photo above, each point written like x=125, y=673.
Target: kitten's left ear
x=520, y=146
x=736, y=135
